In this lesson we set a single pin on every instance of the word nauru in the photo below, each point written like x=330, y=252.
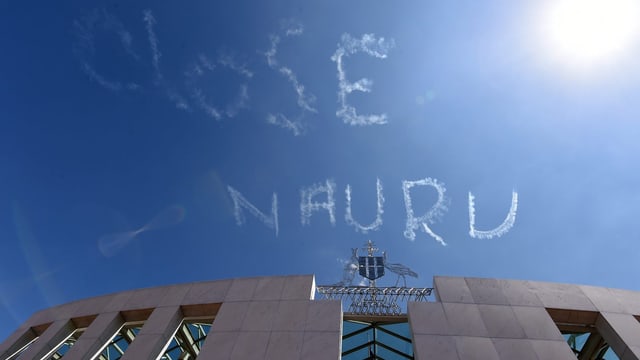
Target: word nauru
x=310, y=205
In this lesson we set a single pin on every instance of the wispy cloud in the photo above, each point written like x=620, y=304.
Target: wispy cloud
x=349, y=271
x=196, y=71
x=198, y=68
x=210, y=110
x=273, y=50
x=100, y=18
x=281, y=120
x=125, y=36
x=241, y=101
x=370, y=45
x=435, y=236
x=172, y=94
x=84, y=44
x=93, y=75
x=291, y=27
x=178, y=100
x=204, y=65
x=240, y=202
x=85, y=48
x=430, y=217
x=377, y=223
x=107, y=84
x=231, y=63
x=294, y=31
x=506, y=225
x=304, y=100
x=150, y=21
x=308, y=206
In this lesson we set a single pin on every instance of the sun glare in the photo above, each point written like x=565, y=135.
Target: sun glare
x=591, y=31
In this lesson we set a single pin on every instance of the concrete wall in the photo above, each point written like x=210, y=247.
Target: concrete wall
x=505, y=319
x=255, y=318
x=277, y=318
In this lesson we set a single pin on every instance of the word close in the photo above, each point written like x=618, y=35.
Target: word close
x=192, y=93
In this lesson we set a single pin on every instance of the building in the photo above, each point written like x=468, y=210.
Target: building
x=278, y=318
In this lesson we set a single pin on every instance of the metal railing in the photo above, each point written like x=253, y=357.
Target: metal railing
x=366, y=300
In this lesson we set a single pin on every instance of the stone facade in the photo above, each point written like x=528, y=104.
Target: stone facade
x=506, y=319
x=278, y=318
x=255, y=318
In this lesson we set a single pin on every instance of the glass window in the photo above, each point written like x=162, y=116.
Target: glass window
x=17, y=353
x=582, y=335
x=119, y=343
x=376, y=340
x=64, y=347
x=188, y=340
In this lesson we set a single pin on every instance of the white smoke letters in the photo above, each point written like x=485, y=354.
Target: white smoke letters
x=422, y=222
x=308, y=206
x=240, y=202
x=369, y=44
x=372, y=46
x=320, y=197
x=377, y=223
x=506, y=225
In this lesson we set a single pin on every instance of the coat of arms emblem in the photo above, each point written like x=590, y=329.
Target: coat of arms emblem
x=371, y=267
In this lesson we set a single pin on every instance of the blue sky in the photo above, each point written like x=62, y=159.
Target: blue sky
x=126, y=124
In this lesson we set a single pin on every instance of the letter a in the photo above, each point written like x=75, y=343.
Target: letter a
x=307, y=205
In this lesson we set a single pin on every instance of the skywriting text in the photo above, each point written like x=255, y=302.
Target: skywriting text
x=320, y=200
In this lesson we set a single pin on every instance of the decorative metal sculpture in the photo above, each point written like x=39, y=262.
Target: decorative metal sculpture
x=401, y=270
x=373, y=300
x=371, y=267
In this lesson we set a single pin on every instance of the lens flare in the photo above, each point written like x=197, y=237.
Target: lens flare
x=586, y=32
x=110, y=244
